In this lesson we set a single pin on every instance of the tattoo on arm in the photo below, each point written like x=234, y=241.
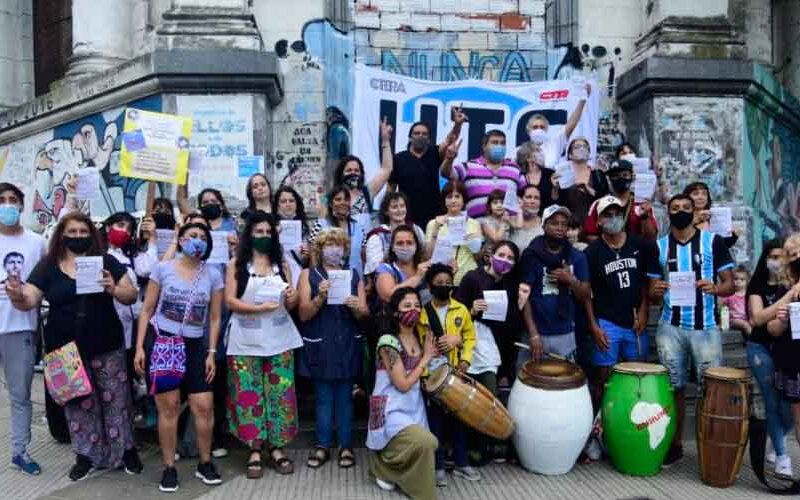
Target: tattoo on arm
x=390, y=357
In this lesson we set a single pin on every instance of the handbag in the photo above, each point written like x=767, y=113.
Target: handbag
x=168, y=357
x=65, y=375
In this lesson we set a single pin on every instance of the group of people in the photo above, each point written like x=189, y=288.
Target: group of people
x=579, y=267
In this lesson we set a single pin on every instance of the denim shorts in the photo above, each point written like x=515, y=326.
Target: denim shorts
x=676, y=344
x=621, y=342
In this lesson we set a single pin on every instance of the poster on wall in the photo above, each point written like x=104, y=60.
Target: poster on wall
x=488, y=105
x=155, y=146
x=223, y=133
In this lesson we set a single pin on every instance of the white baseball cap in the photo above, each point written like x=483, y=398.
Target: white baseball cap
x=555, y=209
x=608, y=201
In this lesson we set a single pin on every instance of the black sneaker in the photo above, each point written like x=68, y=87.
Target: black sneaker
x=674, y=455
x=81, y=469
x=169, y=480
x=132, y=463
x=208, y=474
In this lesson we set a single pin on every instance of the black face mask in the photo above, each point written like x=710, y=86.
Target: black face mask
x=211, y=211
x=441, y=292
x=78, y=245
x=795, y=267
x=353, y=181
x=554, y=241
x=681, y=220
x=164, y=220
x=620, y=185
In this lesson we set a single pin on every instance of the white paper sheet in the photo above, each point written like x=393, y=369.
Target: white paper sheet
x=794, y=319
x=442, y=252
x=721, y=222
x=89, y=272
x=511, y=201
x=457, y=230
x=682, y=289
x=497, y=305
x=164, y=239
x=291, y=235
x=566, y=175
x=644, y=186
x=641, y=165
x=219, y=253
x=88, y=185
x=340, y=287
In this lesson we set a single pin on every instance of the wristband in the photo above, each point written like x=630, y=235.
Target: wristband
x=212, y=351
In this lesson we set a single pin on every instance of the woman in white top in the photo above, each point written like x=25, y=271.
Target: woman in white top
x=393, y=213
x=261, y=339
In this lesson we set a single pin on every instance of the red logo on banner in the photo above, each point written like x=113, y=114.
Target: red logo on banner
x=554, y=95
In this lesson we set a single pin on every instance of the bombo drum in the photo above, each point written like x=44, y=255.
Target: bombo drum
x=638, y=414
x=470, y=402
x=552, y=412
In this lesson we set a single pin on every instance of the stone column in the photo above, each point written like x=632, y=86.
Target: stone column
x=16, y=52
x=102, y=36
x=205, y=24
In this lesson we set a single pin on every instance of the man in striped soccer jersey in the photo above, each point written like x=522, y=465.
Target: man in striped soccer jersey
x=689, y=269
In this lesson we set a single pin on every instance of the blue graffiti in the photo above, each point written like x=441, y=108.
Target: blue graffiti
x=513, y=66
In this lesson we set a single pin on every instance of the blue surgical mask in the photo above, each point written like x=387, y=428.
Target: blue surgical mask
x=9, y=214
x=193, y=247
x=497, y=152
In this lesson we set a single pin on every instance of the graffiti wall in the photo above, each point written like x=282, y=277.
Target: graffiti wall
x=43, y=164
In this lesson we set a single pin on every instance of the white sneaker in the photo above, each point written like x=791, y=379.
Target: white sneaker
x=441, y=478
x=770, y=456
x=385, y=486
x=467, y=473
x=783, y=466
x=219, y=453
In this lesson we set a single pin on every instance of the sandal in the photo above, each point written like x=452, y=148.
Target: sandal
x=346, y=458
x=255, y=467
x=282, y=465
x=318, y=457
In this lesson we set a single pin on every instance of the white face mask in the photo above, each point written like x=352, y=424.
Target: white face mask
x=538, y=135
x=628, y=157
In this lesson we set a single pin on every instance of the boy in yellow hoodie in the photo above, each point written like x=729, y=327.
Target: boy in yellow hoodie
x=450, y=322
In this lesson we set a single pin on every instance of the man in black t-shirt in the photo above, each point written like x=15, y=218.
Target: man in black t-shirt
x=617, y=313
x=416, y=170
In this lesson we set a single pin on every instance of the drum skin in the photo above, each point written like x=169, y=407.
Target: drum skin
x=470, y=402
x=639, y=418
x=551, y=424
x=722, y=425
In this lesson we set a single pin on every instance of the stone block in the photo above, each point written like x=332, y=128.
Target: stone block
x=531, y=41
x=362, y=37
x=413, y=40
x=474, y=6
x=384, y=38
x=473, y=41
x=367, y=19
x=368, y=55
x=514, y=22
x=385, y=5
x=503, y=6
x=415, y=5
x=455, y=23
x=532, y=7
x=484, y=23
x=502, y=41
x=426, y=22
x=394, y=20
x=445, y=6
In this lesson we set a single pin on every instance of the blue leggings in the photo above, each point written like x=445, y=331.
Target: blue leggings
x=778, y=410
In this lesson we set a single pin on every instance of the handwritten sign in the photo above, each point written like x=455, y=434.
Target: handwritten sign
x=165, y=157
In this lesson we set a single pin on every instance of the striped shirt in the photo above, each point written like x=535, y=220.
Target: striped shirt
x=706, y=255
x=480, y=180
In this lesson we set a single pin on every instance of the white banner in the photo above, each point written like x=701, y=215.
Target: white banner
x=487, y=104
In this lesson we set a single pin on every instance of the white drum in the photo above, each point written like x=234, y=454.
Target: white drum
x=552, y=412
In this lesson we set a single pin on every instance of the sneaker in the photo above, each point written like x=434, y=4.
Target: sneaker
x=208, y=474
x=674, y=455
x=783, y=466
x=467, y=473
x=26, y=464
x=169, y=480
x=219, y=452
x=441, y=478
x=384, y=485
x=132, y=463
x=770, y=456
x=593, y=450
x=81, y=469
x=39, y=367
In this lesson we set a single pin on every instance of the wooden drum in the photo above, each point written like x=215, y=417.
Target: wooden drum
x=722, y=425
x=552, y=412
x=470, y=402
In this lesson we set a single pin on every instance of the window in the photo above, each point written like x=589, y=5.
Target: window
x=561, y=18
x=52, y=42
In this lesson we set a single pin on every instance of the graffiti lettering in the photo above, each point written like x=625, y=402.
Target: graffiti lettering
x=387, y=85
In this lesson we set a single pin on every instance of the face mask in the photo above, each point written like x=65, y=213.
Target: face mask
x=554, y=241
x=580, y=153
x=496, y=153
x=620, y=185
x=193, y=247
x=501, y=266
x=409, y=318
x=332, y=256
x=78, y=245
x=774, y=265
x=420, y=143
x=613, y=225
x=405, y=254
x=118, y=237
x=262, y=244
x=795, y=266
x=538, y=136
x=353, y=181
x=628, y=157
x=681, y=220
x=211, y=211
x=164, y=220
x=528, y=213
x=441, y=292
x=9, y=214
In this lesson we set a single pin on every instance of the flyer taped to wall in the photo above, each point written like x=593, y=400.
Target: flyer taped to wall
x=155, y=146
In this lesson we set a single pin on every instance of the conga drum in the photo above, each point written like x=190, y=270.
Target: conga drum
x=552, y=412
x=638, y=414
x=722, y=425
x=470, y=402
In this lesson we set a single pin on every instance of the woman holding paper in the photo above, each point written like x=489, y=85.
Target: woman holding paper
x=393, y=213
x=340, y=215
x=183, y=297
x=404, y=266
x=454, y=195
x=261, y=338
x=288, y=206
x=531, y=160
x=701, y=196
x=787, y=330
x=580, y=185
x=331, y=354
x=81, y=284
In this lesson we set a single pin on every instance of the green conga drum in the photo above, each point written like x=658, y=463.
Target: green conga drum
x=639, y=417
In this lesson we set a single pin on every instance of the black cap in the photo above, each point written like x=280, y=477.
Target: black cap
x=620, y=165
